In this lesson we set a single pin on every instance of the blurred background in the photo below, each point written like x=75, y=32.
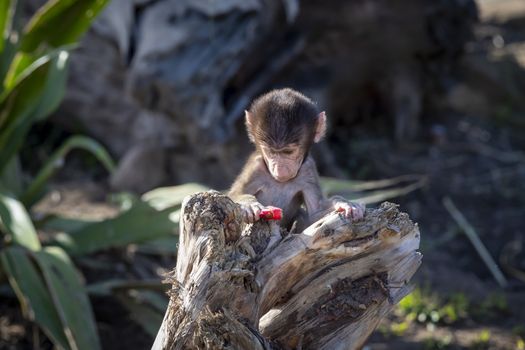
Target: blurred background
x=112, y=111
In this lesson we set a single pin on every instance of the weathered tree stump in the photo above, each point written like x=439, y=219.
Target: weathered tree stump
x=243, y=286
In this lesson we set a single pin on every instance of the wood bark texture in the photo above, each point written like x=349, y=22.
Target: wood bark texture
x=255, y=286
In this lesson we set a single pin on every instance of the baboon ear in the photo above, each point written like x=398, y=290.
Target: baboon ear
x=320, y=127
x=248, y=119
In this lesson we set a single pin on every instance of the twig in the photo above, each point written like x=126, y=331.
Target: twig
x=476, y=241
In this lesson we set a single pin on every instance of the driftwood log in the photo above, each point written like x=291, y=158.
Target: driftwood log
x=254, y=286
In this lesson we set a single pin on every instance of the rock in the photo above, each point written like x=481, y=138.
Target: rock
x=468, y=100
x=501, y=10
x=176, y=75
x=141, y=169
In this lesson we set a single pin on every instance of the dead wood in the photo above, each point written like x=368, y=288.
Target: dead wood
x=325, y=288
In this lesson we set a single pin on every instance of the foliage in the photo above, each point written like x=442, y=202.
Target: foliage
x=482, y=341
x=520, y=344
x=440, y=343
x=493, y=306
x=33, y=67
x=424, y=307
x=431, y=310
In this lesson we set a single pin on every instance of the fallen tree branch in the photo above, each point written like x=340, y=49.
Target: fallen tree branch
x=473, y=237
x=325, y=288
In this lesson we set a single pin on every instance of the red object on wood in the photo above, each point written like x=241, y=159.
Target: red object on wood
x=271, y=213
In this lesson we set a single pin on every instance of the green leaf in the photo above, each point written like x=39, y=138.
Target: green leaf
x=70, y=298
x=108, y=287
x=35, y=300
x=22, y=96
x=16, y=222
x=141, y=311
x=55, y=86
x=6, y=58
x=154, y=217
x=7, y=8
x=27, y=101
x=138, y=224
x=4, y=17
x=59, y=23
x=59, y=223
x=12, y=177
x=57, y=160
x=162, y=246
x=165, y=197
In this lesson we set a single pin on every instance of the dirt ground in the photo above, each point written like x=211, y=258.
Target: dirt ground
x=489, y=190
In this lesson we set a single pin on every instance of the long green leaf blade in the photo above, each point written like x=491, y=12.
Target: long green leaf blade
x=16, y=222
x=140, y=223
x=6, y=58
x=144, y=314
x=6, y=19
x=32, y=293
x=155, y=216
x=55, y=85
x=165, y=197
x=60, y=22
x=57, y=159
x=12, y=177
x=34, y=95
x=4, y=13
x=22, y=94
x=70, y=298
